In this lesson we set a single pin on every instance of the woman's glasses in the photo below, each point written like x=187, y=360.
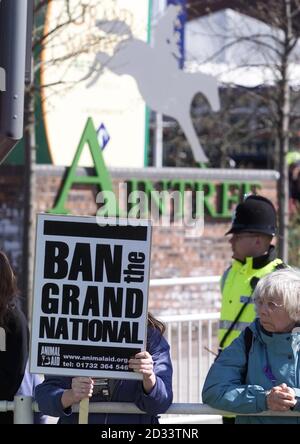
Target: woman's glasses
x=271, y=305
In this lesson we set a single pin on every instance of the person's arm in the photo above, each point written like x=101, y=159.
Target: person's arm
x=224, y=388
x=143, y=363
x=49, y=394
x=155, y=394
x=13, y=360
x=81, y=388
x=56, y=395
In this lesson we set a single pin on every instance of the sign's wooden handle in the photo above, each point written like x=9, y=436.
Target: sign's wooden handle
x=84, y=411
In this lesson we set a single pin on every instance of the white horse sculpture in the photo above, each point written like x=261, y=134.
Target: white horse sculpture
x=165, y=88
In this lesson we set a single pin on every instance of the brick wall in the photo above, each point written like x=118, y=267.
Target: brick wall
x=174, y=252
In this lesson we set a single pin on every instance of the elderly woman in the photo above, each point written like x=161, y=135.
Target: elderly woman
x=267, y=376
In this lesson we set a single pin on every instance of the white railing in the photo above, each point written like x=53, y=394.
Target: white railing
x=169, y=282
x=24, y=407
x=193, y=340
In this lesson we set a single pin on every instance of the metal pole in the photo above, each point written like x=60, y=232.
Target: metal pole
x=13, y=28
x=13, y=50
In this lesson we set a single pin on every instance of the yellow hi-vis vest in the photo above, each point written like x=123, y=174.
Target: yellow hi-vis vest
x=236, y=292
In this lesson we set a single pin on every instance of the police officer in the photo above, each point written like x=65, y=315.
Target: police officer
x=253, y=228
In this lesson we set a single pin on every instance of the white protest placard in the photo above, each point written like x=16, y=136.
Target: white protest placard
x=90, y=299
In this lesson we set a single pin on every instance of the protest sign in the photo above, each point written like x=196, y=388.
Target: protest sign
x=90, y=295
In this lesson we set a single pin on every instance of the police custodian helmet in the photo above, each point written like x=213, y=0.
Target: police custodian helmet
x=256, y=214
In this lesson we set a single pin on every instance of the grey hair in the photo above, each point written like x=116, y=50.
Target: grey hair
x=281, y=284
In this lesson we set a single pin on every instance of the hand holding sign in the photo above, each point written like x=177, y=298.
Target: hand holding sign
x=81, y=388
x=143, y=363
